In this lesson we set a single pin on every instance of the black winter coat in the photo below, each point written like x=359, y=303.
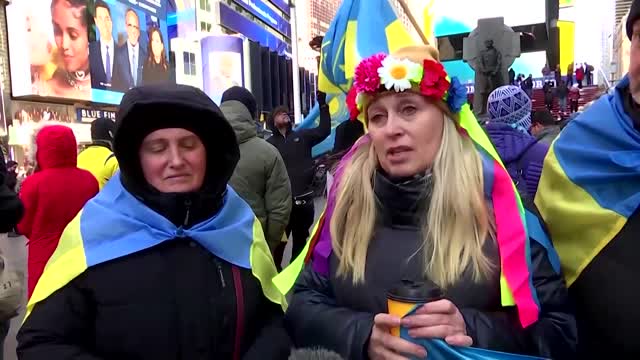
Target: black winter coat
x=296, y=150
x=176, y=300
x=332, y=313
x=11, y=208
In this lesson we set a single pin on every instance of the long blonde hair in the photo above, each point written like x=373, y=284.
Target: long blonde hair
x=456, y=224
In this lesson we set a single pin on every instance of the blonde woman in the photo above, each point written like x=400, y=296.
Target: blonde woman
x=424, y=197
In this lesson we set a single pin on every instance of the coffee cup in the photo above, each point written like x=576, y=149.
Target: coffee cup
x=403, y=298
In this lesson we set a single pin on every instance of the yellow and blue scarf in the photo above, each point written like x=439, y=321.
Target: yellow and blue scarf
x=590, y=184
x=115, y=224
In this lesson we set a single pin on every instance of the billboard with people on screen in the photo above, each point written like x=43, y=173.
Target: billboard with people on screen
x=92, y=50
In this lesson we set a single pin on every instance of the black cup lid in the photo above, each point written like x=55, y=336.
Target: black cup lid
x=410, y=291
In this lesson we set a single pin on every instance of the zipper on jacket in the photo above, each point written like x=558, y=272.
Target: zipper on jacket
x=220, y=273
x=187, y=205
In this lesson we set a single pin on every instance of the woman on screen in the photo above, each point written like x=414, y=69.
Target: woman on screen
x=156, y=70
x=71, y=78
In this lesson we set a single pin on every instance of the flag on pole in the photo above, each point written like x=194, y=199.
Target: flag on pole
x=353, y=35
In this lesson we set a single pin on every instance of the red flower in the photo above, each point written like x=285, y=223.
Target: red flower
x=434, y=81
x=352, y=104
x=433, y=71
x=366, y=78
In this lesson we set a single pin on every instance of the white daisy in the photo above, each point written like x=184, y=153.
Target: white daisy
x=398, y=74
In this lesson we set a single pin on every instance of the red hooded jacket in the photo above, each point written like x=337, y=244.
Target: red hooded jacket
x=53, y=196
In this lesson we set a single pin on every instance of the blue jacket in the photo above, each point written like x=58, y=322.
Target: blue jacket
x=522, y=154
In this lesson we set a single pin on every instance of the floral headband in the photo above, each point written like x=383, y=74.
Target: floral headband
x=384, y=72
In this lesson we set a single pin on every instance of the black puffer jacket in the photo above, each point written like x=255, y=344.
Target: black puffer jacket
x=11, y=208
x=332, y=313
x=173, y=301
x=296, y=150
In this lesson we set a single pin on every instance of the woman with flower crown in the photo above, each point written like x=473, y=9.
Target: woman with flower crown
x=424, y=197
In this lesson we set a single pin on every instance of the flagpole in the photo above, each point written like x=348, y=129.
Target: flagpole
x=297, y=95
x=414, y=22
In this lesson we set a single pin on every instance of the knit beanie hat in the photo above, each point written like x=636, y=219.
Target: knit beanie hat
x=242, y=95
x=510, y=105
x=634, y=14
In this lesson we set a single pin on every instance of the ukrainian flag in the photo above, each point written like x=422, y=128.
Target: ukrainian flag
x=589, y=184
x=361, y=28
x=339, y=113
x=355, y=33
x=115, y=224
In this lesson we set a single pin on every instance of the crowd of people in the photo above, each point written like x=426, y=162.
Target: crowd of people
x=440, y=238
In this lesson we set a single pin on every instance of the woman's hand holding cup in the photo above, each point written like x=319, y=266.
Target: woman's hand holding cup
x=384, y=346
x=438, y=320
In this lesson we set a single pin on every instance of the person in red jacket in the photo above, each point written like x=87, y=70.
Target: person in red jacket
x=580, y=75
x=52, y=196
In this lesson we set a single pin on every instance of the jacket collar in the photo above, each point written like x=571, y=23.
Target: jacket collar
x=402, y=202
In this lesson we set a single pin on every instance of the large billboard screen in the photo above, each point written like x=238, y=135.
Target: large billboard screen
x=461, y=16
x=91, y=50
x=222, y=64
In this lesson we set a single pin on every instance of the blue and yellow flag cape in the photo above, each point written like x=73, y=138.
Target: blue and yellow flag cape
x=590, y=185
x=353, y=35
x=115, y=224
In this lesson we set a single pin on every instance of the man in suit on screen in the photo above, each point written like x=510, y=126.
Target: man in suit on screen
x=131, y=55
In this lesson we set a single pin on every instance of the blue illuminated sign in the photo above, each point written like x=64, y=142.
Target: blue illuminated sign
x=282, y=5
x=233, y=20
x=266, y=14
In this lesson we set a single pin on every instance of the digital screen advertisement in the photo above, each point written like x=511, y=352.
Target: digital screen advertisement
x=461, y=16
x=222, y=59
x=91, y=50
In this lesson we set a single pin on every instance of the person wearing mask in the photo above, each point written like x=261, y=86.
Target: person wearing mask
x=98, y=157
x=260, y=177
x=52, y=196
x=11, y=210
x=574, y=98
x=544, y=127
x=167, y=262
x=590, y=200
x=508, y=128
x=411, y=204
x=562, y=91
x=296, y=146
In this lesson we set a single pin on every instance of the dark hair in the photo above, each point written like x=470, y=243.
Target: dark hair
x=543, y=117
x=102, y=4
x=279, y=110
x=163, y=56
x=78, y=4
